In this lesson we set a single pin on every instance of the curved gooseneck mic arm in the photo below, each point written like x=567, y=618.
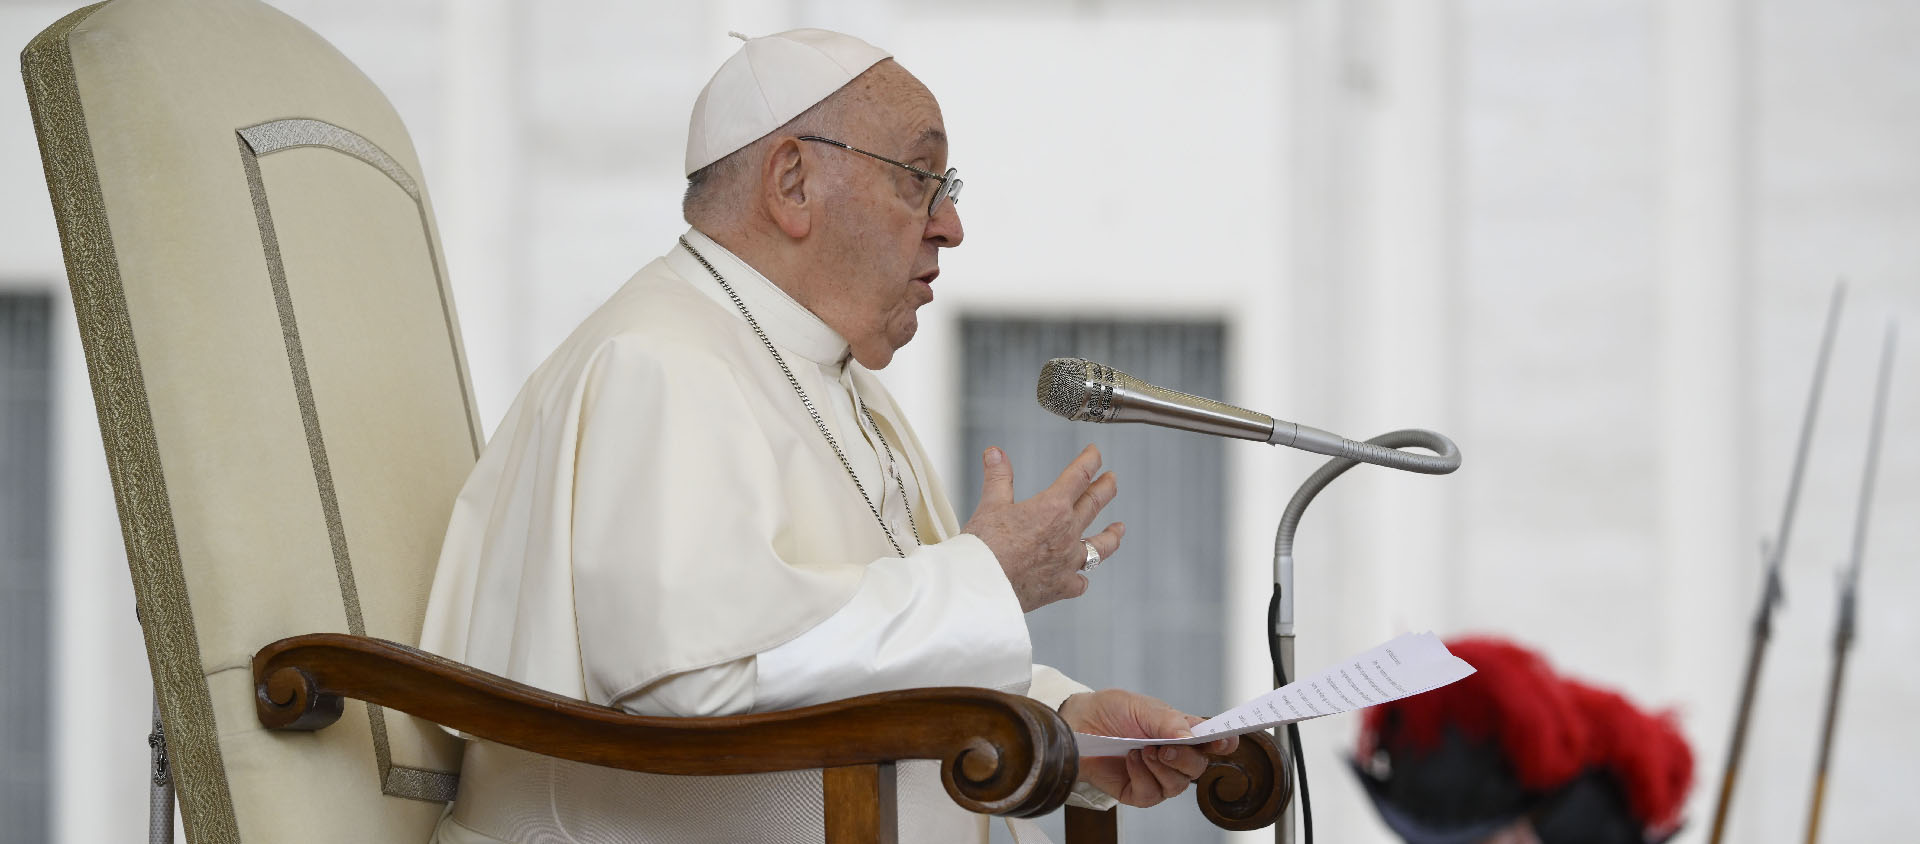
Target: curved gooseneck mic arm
x=1445, y=459
x=1446, y=455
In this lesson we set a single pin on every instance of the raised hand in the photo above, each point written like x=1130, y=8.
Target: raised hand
x=1038, y=540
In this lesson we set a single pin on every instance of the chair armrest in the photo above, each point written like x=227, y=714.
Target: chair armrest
x=999, y=754
x=1248, y=788
x=1244, y=790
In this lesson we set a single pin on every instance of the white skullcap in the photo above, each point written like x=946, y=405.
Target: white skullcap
x=770, y=81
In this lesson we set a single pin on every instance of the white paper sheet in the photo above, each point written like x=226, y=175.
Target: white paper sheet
x=1410, y=664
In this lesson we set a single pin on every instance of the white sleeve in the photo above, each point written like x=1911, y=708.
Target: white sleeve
x=724, y=689
x=943, y=616
x=1052, y=687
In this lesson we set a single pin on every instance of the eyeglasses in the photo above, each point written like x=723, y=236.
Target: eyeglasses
x=950, y=184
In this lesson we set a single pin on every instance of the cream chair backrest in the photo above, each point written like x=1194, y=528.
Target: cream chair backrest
x=280, y=385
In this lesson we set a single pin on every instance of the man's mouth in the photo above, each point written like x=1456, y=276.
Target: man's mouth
x=928, y=276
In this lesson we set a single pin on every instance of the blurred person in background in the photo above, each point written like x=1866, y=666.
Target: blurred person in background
x=1516, y=754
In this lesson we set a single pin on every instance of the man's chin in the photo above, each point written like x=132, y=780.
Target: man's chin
x=875, y=358
x=880, y=353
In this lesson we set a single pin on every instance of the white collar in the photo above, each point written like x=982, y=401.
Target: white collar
x=786, y=322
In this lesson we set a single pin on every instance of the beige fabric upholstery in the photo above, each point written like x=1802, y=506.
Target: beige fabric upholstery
x=280, y=384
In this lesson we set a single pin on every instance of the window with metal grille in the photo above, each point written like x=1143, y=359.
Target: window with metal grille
x=25, y=408
x=1151, y=622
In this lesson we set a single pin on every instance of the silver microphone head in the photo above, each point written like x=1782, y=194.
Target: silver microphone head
x=1081, y=390
x=1084, y=391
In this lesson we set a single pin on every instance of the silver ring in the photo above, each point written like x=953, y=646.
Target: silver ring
x=1093, y=556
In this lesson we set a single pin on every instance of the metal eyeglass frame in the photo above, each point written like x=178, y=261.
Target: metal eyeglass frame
x=950, y=184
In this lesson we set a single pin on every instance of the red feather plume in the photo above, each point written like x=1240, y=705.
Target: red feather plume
x=1646, y=754
x=1550, y=729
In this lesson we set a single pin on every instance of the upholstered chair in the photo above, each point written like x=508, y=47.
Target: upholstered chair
x=283, y=397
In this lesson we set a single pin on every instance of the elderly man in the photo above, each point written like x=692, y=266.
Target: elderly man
x=705, y=503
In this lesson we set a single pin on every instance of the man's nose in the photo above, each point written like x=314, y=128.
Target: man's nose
x=944, y=228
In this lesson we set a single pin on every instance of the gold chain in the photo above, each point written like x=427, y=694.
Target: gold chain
x=814, y=412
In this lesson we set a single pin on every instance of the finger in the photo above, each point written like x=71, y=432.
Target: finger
x=1161, y=720
x=1171, y=780
x=1142, y=786
x=996, y=485
x=1107, y=541
x=1095, y=498
x=1217, y=747
x=1107, y=773
x=1186, y=760
x=1077, y=476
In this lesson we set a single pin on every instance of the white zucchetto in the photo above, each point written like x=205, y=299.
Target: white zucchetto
x=768, y=82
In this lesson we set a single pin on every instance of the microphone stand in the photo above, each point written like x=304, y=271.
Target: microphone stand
x=1773, y=553
x=1280, y=608
x=1849, y=585
x=1080, y=390
x=160, y=795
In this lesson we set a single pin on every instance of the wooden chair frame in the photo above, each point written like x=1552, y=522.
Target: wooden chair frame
x=999, y=754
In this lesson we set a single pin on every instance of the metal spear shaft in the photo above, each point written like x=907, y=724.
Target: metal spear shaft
x=1849, y=587
x=1772, y=553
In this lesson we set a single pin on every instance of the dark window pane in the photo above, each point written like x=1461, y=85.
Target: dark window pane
x=24, y=526
x=1151, y=622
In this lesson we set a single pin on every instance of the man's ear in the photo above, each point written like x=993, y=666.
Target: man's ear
x=783, y=189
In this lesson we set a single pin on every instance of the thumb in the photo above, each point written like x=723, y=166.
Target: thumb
x=1159, y=720
x=996, y=483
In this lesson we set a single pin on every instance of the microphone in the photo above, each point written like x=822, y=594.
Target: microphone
x=1083, y=391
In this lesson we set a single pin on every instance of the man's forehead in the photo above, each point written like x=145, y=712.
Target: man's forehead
x=901, y=104
x=916, y=119
x=930, y=139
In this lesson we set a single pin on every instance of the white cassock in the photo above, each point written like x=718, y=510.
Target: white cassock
x=659, y=525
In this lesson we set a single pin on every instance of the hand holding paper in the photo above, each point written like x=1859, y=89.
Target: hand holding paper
x=1408, y=665
x=1153, y=775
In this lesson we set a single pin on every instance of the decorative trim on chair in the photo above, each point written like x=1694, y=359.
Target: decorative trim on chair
x=294, y=133
x=274, y=136
x=126, y=428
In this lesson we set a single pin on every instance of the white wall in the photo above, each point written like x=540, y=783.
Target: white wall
x=101, y=691
x=1590, y=240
